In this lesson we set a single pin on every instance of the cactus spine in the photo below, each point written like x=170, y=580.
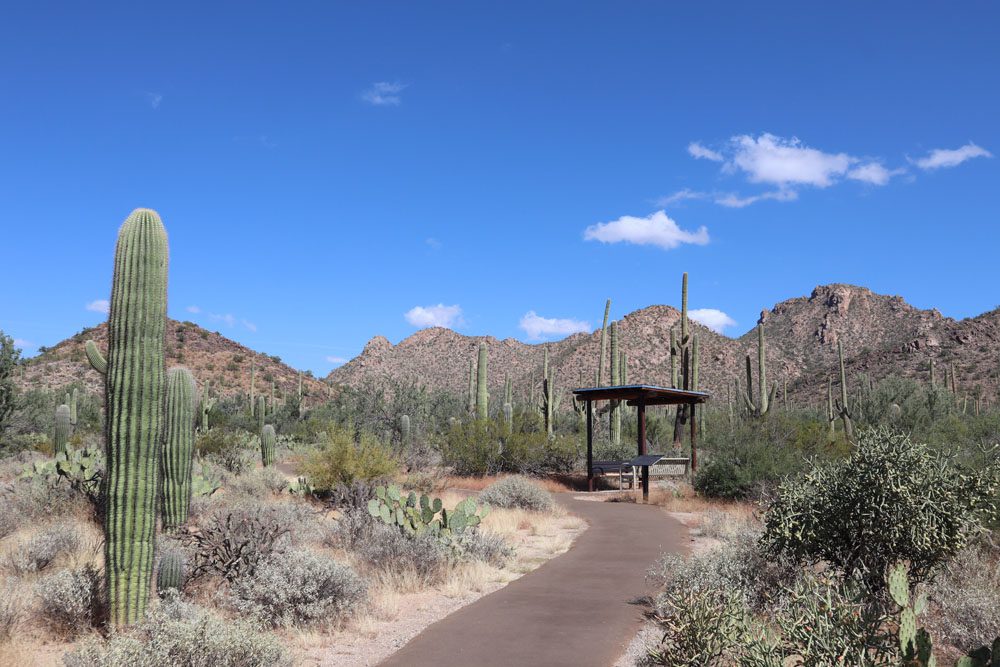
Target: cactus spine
x=482, y=394
x=96, y=359
x=178, y=447
x=134, y=386
x=615, y=414
x=267, y=439
x=62, y=428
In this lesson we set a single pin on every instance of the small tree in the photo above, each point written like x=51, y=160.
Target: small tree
x=892, y=500
x=10, y=356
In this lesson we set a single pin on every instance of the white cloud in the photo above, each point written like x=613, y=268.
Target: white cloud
x=943, y=157
x=193, y=309
x=434, y=316
x=154, y=99
x=227, y=319
x=337, y=360
x=99, y=306
x=384, y=93
x=873, y=173
x=655, y=229
x=21, y=343
x=714, y=319
x=681, y=195
x=249, y=325
x=700, y=152
x=733, y=200
x=772, y=159
x=538, y=327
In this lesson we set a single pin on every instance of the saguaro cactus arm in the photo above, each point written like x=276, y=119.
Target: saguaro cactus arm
x=96, y=359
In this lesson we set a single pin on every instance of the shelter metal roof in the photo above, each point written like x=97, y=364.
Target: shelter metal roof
x=648, y=394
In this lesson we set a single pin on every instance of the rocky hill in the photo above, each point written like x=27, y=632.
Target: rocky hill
x=215, y=361
x=881, y=335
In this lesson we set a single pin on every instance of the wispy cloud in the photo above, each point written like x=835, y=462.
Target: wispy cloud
x=154, y=99
x=384, y=93
x=99, y=306
x=733, y=200
x=944, y=157
x=655, y=229
x=432, y=243
x=700, y=152
x=21, y=343
x=249, y=325
x=538, y=327
x=193, y=309
x=435, y=316
x=337, y=361
x=681, y=195
x=714, y=319
x=873, y=173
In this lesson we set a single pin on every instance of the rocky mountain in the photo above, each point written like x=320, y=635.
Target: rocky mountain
x=215, y=361
x=881, y=335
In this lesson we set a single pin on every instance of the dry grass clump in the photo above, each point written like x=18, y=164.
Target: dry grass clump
x=517, y=492
x=70, y=600
x=965, y=599
x=43, y=549
x=480, y=483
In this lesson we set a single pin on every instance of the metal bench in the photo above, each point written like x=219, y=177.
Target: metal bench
x=620, y=468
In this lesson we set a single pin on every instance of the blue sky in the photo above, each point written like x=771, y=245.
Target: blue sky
x=332, y=171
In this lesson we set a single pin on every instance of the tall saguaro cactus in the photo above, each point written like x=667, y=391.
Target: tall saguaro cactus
x=72, y=408
x=482, y=393
x=843, y=408
x=615, y=414
x=62, y=428
x=178, y=447
x=760, y=407
x=680, y=363
x=604, y=331
x=260, y=412
x=253, y=383
x=134, y=386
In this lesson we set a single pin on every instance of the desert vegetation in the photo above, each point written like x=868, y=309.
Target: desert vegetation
x=190, y=521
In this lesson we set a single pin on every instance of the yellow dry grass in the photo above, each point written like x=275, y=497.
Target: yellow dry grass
x=480, y=483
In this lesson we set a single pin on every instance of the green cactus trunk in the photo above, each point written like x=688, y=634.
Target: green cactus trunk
x=178, y=448
x=482, y=394
x=171, y=573
x=615, y=415
x=762, y=369
x=267, y=439
x=260, y=413
x=508, y=416
x=62, y=428
x=96, y=359
x=134, y=393
x=72, y=408
x=472, y=386
x=404, y=429
x=604, y=331
x=253, y=382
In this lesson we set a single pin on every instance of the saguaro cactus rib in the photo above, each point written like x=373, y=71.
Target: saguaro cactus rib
x=134, y=392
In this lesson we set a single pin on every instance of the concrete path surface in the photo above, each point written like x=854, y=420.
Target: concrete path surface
x=573, y=610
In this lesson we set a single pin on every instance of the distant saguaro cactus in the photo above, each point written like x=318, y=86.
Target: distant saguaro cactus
x=260, y=413
x=178, y=447
x=267, y=439
x=599, y=376
x=62, y=428
x=760, y=407
x=404, y=429
x=482, y=393
x=134, y=386
x=72, y=408
x=615, y=415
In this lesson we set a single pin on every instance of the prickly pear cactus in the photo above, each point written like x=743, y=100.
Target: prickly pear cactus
x=915, y=643
x=415, y=514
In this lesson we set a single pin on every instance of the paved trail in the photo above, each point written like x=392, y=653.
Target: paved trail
x=572, y=611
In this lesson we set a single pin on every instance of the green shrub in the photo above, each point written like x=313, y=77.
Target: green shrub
x=297, y=589
x=517, y=492
x=341, y=461
x=890, y=501
x=179, y=633
x=486, y=447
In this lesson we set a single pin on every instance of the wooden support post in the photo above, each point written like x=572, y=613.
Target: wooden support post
x=590, y=446
x=694, y=439
x=641, y=410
